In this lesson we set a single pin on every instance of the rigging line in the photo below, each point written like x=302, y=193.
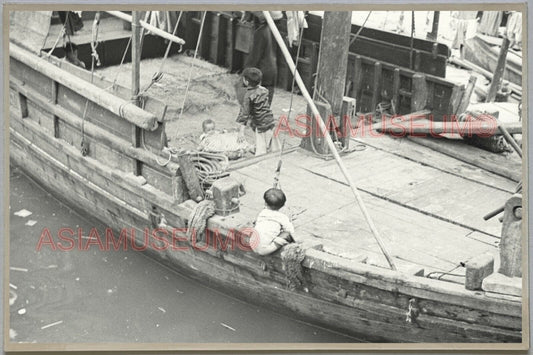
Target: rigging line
x=158, y=75
x=94, y=58
x=412, y=40
x=192, y=64
x=121, y=62
x=360, y=29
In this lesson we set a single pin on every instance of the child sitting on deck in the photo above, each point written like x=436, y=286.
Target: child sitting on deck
x=255, y=111
x=273, y=228
x=208, y=128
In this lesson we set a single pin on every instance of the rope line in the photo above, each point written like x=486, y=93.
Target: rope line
x=192, y=64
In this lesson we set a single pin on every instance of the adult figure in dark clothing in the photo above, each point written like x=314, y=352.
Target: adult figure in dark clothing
x=263, y=54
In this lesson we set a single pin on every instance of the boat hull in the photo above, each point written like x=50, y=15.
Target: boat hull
x=367, y=302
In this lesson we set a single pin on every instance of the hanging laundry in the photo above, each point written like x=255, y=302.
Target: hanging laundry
x=294, y=20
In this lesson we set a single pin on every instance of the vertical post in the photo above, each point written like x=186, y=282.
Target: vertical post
x=376, y=86
x=435, y=27
x=498, y=74
x=135, y=80
x=333, y=64
x=419, y=93
x=465, y=100
x=396, y=91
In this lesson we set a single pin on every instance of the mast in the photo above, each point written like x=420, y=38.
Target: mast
x=333, y=62
x=135, y=81
x=435, y=27
x=135, y=55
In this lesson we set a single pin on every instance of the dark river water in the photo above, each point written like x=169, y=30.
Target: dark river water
x=118, y=296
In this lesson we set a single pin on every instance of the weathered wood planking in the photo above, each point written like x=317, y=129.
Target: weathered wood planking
x=206, y=268
x=509, y=166
x=421, y=187
x=409, y=150
x=91, y=130
x=335, y=217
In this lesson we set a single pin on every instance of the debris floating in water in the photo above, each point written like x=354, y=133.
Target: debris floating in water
x=12, y=297
x=228, y=327
x=12, y=334
x=178, y=291
x=31, y=223
x=162, y=309
x=52, y=324
x=14, y=268
x=13, y=286
x=22, y=311
x=23, y=213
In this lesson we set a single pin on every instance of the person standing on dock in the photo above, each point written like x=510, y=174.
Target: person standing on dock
x=263, y=54
x=466, y=27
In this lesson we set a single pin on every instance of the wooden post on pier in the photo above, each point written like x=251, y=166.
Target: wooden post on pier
x=498, y=74
x=333, y=62
x=435, y=27
x=135, y=80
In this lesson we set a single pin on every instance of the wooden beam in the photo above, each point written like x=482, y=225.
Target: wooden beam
x=148, y=27
x=498, y=74
x=465, y=100
x=376, y=86
x=101, y=97
x=92, y=130
x=135, y=83
x=396, y=91
x=434, y=27
x=419, y=92
x=331, y=70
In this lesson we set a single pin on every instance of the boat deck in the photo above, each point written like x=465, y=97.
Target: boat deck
x=427, y=206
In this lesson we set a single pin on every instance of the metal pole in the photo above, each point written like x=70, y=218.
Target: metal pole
x=329, y=142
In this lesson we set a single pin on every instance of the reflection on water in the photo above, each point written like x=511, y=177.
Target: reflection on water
x=118, y=296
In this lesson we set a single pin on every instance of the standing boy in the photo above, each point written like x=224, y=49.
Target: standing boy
x=255, y=111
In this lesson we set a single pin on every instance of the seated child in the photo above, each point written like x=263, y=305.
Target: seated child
x=208, y=128
x=255, y=111
x=273, y=228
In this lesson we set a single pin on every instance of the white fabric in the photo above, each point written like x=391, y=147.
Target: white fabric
x=276, y=15
x=269, y=225
x=265, y=140
x=294, y=19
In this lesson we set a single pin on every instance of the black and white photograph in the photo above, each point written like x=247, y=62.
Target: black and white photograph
x=247, y=177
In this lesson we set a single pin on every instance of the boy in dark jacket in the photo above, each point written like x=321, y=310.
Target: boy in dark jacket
x=255, y=111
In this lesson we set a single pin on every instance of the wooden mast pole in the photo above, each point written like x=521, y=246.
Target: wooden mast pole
x=498, y=74
x=328, y=139
x=135, y=81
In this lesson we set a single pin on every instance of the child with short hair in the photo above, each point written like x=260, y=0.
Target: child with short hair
x=255, y=111
x=273, y=228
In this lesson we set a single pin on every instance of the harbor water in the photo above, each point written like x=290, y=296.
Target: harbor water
x=94, y=296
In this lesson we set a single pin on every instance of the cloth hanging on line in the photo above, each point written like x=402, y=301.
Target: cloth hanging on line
x=294, y=19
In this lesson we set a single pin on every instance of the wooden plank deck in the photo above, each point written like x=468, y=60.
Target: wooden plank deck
x=427, y=216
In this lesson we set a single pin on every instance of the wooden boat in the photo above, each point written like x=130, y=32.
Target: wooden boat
x=119, y=179
x=483, y=50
